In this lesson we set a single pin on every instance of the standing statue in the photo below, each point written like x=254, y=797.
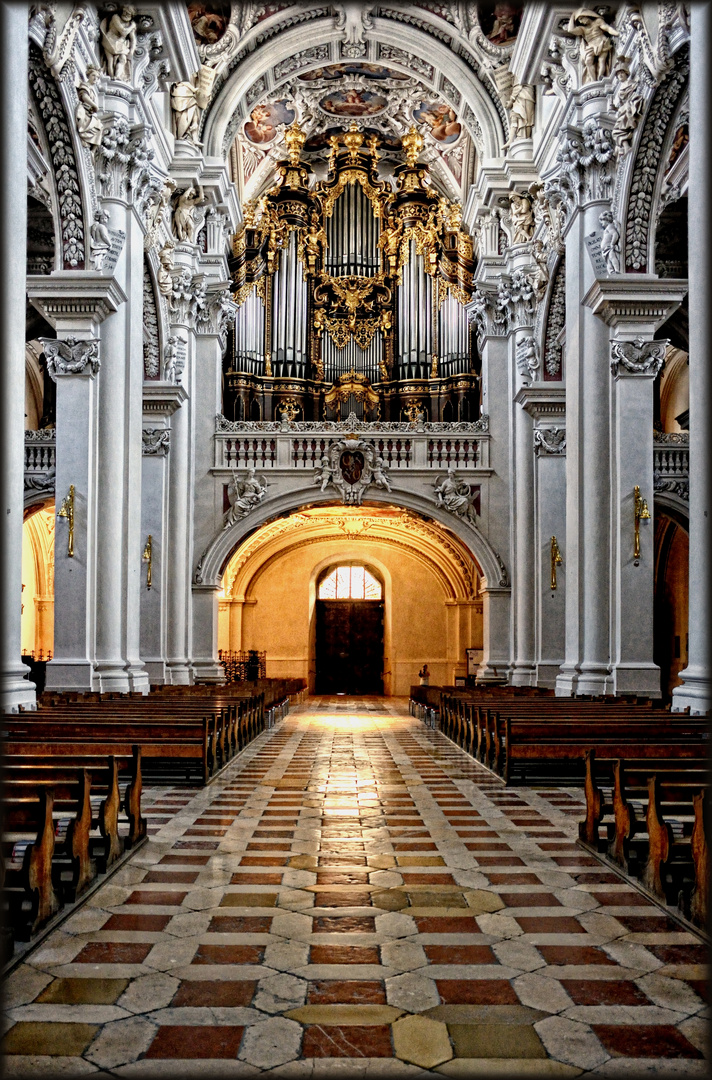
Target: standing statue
x=522, y=218
x=118, y=40
x=454, y=495
x=540, y=277
x=184, y=221
x=89, y=125
x=521, y=111
x=610, y=242
x=165, y=265
x=597, y=43
x=188, y=99
x=244, y=495
x=629, y=104
x=314, y=243
x=171, y=372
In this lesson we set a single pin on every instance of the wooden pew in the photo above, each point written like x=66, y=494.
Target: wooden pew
x=651, y=818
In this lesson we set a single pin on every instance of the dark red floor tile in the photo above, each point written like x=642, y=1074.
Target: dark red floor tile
x=346, y=992
x=426, y=879
x=476, y=992
x=239, y=924
x=204, y=832
x=596, y=877
x=150, y=923
x=191, y=1041
x=460, y=954
x=645, y=1041
x=631, y=898
x=446, y=924
x=530, y=899
x=341, y=860
x=173, y=898
x=545, y=924
x=256, y=879
x=574, y=954
x=414, y=845
x=648, y=924
x=263, y=860
x=513, y=879
x=196, y=845
x=215, y=993
x=604, y=992
x=344, y=924
x=113, y=952
x=171, y=877
x=213, y=820
x=344, y=954
x=500, y=860
x=274, y=834
x=184, y=860
x=681, y=954
x=229, y=954
x=487, y=845
x=341, y=877
x=579, y=860
x=277, y=845
x=701, y=988
x=347, y=1041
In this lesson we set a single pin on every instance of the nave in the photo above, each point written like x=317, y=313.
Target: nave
x=354, y=895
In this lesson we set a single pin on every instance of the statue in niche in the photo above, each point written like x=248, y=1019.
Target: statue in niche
x=118, y=40
x=596, y=45
x=540, y=277
x=188, y=99
x=522, y=218
x=244, y=495
x=521, y=111
x=184, y=216
x=172, y=369
x=610, y=242
x=89, y=125
x=100, y=238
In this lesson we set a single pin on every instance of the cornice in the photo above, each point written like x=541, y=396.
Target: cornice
x=543, y=401
x=68, y=298
x=163, y=398
x=635, y=303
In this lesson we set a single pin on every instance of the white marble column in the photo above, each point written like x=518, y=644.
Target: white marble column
x=16, y=690
x=696, y=688
x=75, y=303
x=523, y=668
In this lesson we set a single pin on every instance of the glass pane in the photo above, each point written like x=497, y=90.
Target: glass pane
x=343, y=582
x=372, y=587
x=327, y=589
x=357, y=575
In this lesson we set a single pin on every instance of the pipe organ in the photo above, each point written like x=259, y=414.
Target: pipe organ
x=351, y=293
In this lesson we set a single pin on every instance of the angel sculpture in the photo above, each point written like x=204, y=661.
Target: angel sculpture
x=322, y=473
x=244, y=495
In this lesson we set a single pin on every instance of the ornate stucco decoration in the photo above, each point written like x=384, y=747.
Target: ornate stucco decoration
x=123, y=163
x=351, y=466
x=215, y=311
x=70, y=357
x=244, y=494
x=671, y=485
x=490, y=313
x=555, y=322
x=527, y=356
x=66, y=171
x=637, y=357
x=640, y=204
x=155, y=442
x=516, y=299
x=549, y=440
x=351, y=424
x=151, y=350
x=458, y=497
x=584, y=161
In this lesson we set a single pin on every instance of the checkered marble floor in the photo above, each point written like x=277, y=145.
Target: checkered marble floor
x=355, y=897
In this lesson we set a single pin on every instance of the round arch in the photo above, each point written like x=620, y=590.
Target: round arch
x=484, y=123
x=213, y=561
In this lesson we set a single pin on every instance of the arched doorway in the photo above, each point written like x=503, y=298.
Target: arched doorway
x=349, y=631
x=670, y=627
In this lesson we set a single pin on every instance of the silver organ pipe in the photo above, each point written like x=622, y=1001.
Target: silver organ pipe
x=249, y=337
x=352, y=233
x=454, y=350
x=415, y=347
x=289, y=315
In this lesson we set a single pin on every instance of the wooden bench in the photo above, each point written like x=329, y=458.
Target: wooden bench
x=651, y=818
x=42, y=871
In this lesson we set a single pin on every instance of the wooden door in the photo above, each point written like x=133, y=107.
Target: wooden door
x=349, y=646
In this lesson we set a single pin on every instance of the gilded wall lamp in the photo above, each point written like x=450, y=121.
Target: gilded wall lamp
x=640, y=509
x=148, y=559
x=66, y=510
x=556, y=560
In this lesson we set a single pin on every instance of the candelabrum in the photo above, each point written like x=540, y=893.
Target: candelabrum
x=66, y=510
x=556, y=560
x=148, y=559
x=641, y=513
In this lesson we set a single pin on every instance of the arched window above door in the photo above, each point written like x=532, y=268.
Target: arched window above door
x=350, y=583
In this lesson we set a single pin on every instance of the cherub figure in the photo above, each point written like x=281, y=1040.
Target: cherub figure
x=379, y=476
x=597, y=42
x=322, y=473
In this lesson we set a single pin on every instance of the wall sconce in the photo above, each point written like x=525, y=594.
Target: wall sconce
x=556, y=560
x=148, y=558
x=641, y=512
x=66, y=510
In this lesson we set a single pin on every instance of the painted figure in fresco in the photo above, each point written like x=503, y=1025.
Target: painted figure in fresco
x=209, y=21
x=264, y=120
x=441, y=119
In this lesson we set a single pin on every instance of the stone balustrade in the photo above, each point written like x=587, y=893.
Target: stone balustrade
x=671, y=453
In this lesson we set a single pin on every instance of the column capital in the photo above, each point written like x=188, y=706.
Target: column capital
x=74, y=301
x=639, y=358
x=635, y=305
